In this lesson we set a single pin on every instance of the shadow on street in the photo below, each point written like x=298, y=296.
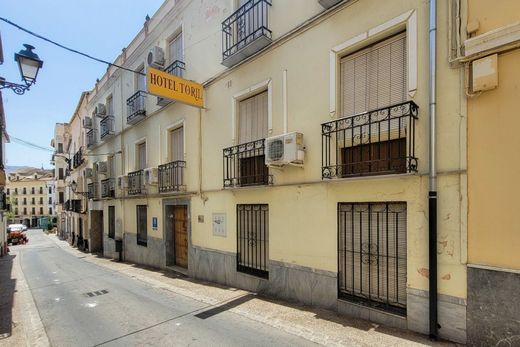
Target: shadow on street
x=7, y=289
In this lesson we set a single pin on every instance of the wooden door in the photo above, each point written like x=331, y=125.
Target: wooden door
x=180, y=235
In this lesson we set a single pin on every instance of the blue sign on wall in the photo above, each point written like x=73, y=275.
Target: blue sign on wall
x=154, y=223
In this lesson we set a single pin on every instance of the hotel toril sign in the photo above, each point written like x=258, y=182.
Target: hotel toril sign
x=172, y=87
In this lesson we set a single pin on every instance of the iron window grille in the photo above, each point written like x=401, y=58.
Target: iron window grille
x=171, y=177
x=253, y=239
x=142, y=224
x=247, y=24
x=372, y=254
x=91, y=138
x=108, y=188
x=136, y=106
x=92, y=191
x=107, y=126
x=376, y=142
x=75, y=205
x=244, y=165
x=135, y=182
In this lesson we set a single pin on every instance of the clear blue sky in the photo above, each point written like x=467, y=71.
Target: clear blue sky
x=100, y=28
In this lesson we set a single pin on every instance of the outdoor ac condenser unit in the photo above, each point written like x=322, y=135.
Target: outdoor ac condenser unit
x=156, y=57
x=102, y=167
x=100, y=110
x=87, y=123
x=284, y=149
x=151, y=176
x=122, y=182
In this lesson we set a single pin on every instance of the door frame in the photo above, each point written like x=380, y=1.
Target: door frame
x=167, y=238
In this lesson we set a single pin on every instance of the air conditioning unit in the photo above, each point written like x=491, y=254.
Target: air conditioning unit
x=88, y=172
x=87, y=123
x=151, y=176
x=122, y=182
x=163, y=101
x=284, y=149
x=102, y=167
x=156, y=57
x=100, y=110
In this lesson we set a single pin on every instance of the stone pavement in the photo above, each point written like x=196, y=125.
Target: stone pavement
x=320, y=326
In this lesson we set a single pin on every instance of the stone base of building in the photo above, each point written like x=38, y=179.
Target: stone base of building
x=153, y=254
x=319, y=288
x=493, y=315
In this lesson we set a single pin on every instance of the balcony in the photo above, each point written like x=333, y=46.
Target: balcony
x=73, y=205
x=92, y=190
x=78, y=159
x=171, y=177
x=108, y=188
x=91, y=138
x=377, y=142
x=136, y=106
x=244, y=165
x=107, y=127
x=245, y=32
x=177, y=69
x=135, y=182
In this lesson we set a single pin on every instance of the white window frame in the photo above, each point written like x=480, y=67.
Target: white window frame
x=406, y=21
x=136, y=152
x=178, y=124
x=246, y=93
x=178, y=31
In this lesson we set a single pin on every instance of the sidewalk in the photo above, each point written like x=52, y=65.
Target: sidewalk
x=20, y=323
x=320, y=326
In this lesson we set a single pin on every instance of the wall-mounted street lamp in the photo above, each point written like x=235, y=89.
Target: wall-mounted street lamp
x=29, y=64
x=74, y=186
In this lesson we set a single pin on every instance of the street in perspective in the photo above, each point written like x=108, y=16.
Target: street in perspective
x=259, y=173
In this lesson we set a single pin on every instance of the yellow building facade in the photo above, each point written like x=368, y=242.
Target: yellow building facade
x=305, y=174
x=492, y=59
x=28, y=192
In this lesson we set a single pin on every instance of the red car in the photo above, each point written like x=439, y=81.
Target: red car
x=16, y=234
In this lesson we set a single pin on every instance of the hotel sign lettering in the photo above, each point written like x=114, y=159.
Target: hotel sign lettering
x=172, y=87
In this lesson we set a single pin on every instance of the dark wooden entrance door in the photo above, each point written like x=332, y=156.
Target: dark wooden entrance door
x=180, y=234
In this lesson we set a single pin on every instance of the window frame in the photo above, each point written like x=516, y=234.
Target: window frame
x=142, y=235
x=249, y=264
x=111, y=222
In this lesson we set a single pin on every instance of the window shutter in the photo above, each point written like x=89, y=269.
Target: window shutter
x=177, y=144
x=374, y=77
x=176, y=49
x=253, y=118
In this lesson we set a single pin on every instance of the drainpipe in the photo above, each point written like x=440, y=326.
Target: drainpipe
x=432, y=194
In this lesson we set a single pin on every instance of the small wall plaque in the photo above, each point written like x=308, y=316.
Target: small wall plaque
x=201, y=218
x=219, y=224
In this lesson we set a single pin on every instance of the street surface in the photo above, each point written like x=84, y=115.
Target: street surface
x=83, y=304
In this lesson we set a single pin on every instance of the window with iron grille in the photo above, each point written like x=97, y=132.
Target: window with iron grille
x=142, y=232
x=372, y=254
x=111, y=222
x=253, y=239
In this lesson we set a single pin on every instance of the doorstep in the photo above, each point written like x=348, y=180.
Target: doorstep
x=177, y=269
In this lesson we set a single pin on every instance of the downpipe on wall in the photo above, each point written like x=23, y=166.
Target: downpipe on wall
x=432, y=194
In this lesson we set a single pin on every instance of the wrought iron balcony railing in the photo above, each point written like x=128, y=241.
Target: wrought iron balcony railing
x=244, y=165
x=91, y=138
x=107, y=127
x=136, y=106
x=245, y=32
x=108, y=189
x=78, y=159
x=171, y=177
x=72, y=205
x=92, y=190
x=376, y=142
x=135, y=182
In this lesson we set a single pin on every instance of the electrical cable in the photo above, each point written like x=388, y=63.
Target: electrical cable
x=30, y=144
x=67, y=48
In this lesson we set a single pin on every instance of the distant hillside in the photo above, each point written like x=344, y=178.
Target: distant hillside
x=10, y=168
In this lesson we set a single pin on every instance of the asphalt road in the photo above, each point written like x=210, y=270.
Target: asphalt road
x=83, y=304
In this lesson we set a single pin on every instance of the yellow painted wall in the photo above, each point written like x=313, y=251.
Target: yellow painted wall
x=493, y=14
x=494, y=169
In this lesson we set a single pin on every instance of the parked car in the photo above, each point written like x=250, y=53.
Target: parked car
x=16, y=234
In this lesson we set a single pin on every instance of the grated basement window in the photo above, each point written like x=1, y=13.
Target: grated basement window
x=372, y=254
x=253, y=239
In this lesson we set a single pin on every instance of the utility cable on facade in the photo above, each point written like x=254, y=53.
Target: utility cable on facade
x=65, y=47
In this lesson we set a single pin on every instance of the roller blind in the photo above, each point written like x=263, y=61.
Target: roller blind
x=374, y=77
x=253, y=118
x=177, y=144
x=175, y=49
